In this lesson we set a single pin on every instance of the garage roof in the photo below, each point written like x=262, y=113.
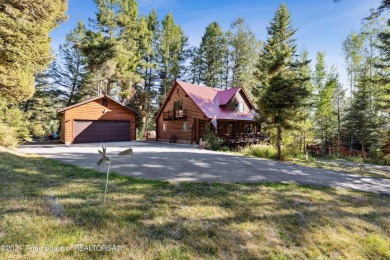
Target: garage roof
x=91, y=100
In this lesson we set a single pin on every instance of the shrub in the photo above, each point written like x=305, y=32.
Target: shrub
x=212, y=141
x=8, y=136
x=37, y=130
x=261, y=151
x=386, y=159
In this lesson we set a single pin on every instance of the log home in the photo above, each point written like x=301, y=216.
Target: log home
x=187, y=111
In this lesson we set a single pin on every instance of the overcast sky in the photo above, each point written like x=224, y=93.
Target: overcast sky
x=322, y=24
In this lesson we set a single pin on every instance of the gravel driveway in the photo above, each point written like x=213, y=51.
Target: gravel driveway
x=176, y=162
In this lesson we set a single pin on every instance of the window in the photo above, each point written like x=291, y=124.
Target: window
x=240, y=107
x=104, y=102
x=165, y=127
x=185, y=126
x=249, y=128
x=178, y=105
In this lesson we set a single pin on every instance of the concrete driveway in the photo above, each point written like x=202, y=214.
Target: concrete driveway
x=176, y=162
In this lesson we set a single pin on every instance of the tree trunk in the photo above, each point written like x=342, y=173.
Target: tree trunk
x=26, y=106
x=74, y=84
x=338, y=129
x=278, y=142
x=322, y=138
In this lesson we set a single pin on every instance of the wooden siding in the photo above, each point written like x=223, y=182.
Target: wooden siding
x=175, y=127
x=239, y=97
x=94, y=111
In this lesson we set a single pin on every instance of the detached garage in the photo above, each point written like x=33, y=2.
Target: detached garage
x=101, y=119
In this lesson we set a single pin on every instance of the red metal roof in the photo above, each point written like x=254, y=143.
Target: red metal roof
x=211, y=101
x=225, y=96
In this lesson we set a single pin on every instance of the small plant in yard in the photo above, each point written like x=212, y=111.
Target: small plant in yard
x=386, y=159
x=173, y=138
x=212, y=141
x=260, y=151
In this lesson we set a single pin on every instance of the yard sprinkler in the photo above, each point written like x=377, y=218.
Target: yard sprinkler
x=107, y=160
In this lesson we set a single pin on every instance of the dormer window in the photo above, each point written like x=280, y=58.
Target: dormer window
x=104, y=102
x=240, y=107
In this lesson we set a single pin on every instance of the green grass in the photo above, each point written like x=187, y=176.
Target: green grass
x=270, y=152
x=44, y=202
x=337, y=165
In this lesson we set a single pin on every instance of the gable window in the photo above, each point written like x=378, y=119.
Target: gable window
x=104, y=102
x=178, y=105
x=240, y=107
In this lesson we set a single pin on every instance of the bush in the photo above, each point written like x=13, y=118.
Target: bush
x=37, y=130
x=386, y=159
x=212, y=141
x=260, y=151
x=8, y=136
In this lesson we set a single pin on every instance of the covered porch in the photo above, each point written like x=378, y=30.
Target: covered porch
x=234, y=133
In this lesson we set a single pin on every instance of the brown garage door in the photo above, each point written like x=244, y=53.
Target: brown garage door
x=101, y=131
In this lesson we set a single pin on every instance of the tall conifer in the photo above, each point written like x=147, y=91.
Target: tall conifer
x=278, y=73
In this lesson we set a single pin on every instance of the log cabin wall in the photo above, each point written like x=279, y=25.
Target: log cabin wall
x=94, y=111
x=165, y=129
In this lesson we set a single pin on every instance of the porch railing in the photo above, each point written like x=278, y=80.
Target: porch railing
x=244, y=138
x=175, y=115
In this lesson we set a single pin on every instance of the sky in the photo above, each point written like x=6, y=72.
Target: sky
x=322, y=24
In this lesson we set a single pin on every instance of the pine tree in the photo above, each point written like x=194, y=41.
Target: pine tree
x=339, y=105
x=243, y=47
x=69, y=72
x=383, y=65
x=112, y=52
x=194, y=70
x=279, y=74
x=25, y=43
x=171, y=52
x=212, y=49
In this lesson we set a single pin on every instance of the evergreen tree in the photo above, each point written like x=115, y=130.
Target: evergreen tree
x=195, y=65
x=40, y=111
x=68, y=72
x=304, y=119
x=112, y=52
x=363, y=118
x=172, y=54
x=212, y=49
x=25, y=43
x=339, y=105
x=383, y=65
x=278, y=72
x=243, y=47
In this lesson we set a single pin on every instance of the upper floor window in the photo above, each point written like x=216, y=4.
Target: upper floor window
x=178, y=105
x=104, y=102
x=240, y=107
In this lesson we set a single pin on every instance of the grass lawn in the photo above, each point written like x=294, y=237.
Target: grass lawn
x=335, y=165
x=44, y=202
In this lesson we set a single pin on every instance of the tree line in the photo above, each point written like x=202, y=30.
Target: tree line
x=137, y=58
